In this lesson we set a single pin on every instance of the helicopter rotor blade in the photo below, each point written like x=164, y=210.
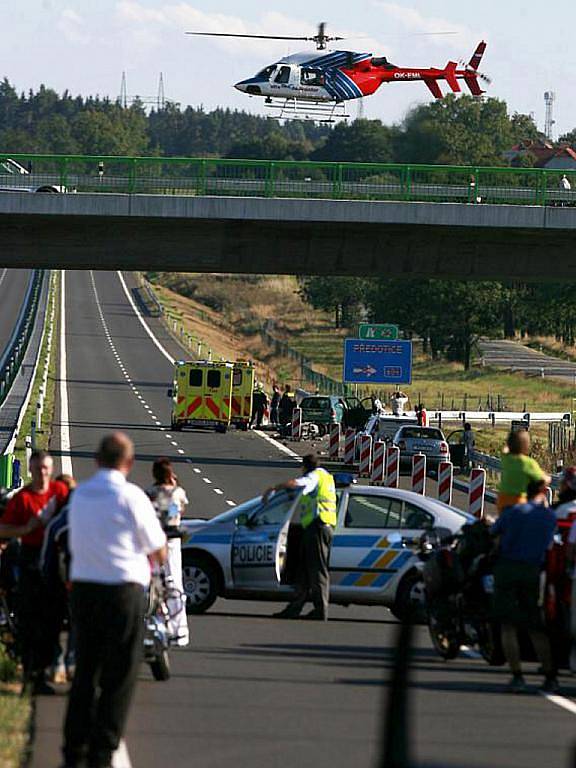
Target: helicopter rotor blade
x=254, y=37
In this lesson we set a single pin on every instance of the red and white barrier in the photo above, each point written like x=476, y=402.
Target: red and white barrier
x=392, y=467
x=334, y=446
x=365, y=455
x=476, y=493
x=297, y=424
x=349, y=446
x=419, y=474
x=445, y=481
x=378, y=463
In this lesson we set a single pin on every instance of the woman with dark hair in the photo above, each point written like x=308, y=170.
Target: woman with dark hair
x=169, y=500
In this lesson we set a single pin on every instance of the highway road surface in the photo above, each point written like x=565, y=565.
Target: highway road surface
x=13, y=287
x=252, y=690
x=517, y=357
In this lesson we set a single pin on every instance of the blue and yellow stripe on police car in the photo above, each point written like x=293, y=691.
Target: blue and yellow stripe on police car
x=377, y=567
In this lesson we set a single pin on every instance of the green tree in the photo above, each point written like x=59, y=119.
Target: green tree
x=364, y=141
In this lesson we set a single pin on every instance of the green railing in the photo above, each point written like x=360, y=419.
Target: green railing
x=285, y=179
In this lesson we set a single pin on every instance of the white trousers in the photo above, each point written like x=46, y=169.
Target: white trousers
x=177, y=608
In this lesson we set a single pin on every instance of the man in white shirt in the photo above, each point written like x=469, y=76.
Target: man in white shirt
x=114, y=533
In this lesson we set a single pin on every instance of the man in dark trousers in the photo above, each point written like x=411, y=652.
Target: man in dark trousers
x=526, y=532
x=113, y=531
x=286, y=407
x=318, y=519
x=259, y=405
x=38, y=630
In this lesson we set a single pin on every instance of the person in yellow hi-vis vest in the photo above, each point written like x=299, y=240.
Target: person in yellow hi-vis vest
x=318, y=519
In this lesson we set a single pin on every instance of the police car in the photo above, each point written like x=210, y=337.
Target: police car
x=252, y=551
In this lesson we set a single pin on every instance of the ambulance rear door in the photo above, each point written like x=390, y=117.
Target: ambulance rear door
x=218, y=393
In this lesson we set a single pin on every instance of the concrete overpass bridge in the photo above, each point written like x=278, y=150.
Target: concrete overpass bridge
x=203, y=215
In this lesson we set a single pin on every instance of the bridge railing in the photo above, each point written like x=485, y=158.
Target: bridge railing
x=285, y=179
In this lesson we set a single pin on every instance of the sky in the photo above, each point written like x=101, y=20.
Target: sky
x=85, y=45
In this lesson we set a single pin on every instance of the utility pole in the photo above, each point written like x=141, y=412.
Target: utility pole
x=123, y=92
x=549, y=99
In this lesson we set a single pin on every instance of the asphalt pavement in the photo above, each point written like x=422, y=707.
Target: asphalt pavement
x=13, y=287
x=513, y=356
x=251, y=690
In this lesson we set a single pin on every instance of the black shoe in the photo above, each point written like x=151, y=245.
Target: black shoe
x=517, y=684
x=286, y=613
x=315, y=615
x=550, y=684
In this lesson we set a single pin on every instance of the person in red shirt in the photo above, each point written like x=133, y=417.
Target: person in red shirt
x=37, y=502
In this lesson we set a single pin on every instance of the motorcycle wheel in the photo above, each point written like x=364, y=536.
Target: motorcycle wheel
x=160, y=667
x=444, y=639
x=489, y=644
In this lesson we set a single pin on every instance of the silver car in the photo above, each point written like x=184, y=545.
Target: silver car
x=427, y=440
x=253, y=551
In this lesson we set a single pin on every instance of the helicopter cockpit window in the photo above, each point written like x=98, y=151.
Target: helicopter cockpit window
x=266, y=73
x=283, y=76
x=312, y=77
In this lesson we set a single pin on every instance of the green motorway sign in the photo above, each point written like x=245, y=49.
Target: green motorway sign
x=385, y=332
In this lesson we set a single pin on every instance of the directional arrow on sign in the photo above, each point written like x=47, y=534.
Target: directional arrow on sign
x=367, y=371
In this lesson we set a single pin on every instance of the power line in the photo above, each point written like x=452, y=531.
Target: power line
x=158, y=102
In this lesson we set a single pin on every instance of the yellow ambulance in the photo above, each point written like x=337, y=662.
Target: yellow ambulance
x=242, y=389
x=201, y=394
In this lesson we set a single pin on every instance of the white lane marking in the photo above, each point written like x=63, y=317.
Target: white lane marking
x=231, y=503
x=560, y=701
x=169, y=357
x=121, y=758
x=180, y=451
x=218, y=491
x=174, y=443
x=198, y=471
x=207, y=481
x=276, y=444
x=65, y=459
x=142, y=321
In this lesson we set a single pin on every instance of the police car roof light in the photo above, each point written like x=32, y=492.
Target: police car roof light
x=344, y=479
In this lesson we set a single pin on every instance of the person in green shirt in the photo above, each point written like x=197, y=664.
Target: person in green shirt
x=518, y=470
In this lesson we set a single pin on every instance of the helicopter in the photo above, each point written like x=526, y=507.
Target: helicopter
x=319, y=86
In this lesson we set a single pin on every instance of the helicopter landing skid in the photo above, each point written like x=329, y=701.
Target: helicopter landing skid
x=301, y=109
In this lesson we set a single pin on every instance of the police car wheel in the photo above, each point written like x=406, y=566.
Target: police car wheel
x=200, y=584
x=410, y=599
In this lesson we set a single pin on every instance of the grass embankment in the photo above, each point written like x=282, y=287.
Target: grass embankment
x=16, y=710
x=227, y=314
x=15, y=713
x=42, y=435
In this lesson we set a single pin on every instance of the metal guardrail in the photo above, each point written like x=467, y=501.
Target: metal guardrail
x=16, y=348
x=286, y=179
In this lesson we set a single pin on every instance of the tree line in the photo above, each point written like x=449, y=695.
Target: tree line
x=450, y=316
x=456, y=130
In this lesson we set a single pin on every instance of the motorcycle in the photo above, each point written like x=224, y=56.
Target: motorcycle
x=458, y=582
x=164, y=602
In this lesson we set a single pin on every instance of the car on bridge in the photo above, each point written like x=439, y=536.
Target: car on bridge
x=16, y=178
x=253, y=551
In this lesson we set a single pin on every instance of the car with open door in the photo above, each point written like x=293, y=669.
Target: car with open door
x=253, y=551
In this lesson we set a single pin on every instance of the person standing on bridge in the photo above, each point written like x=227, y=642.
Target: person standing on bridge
x=113, y=533
x=318, y=519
